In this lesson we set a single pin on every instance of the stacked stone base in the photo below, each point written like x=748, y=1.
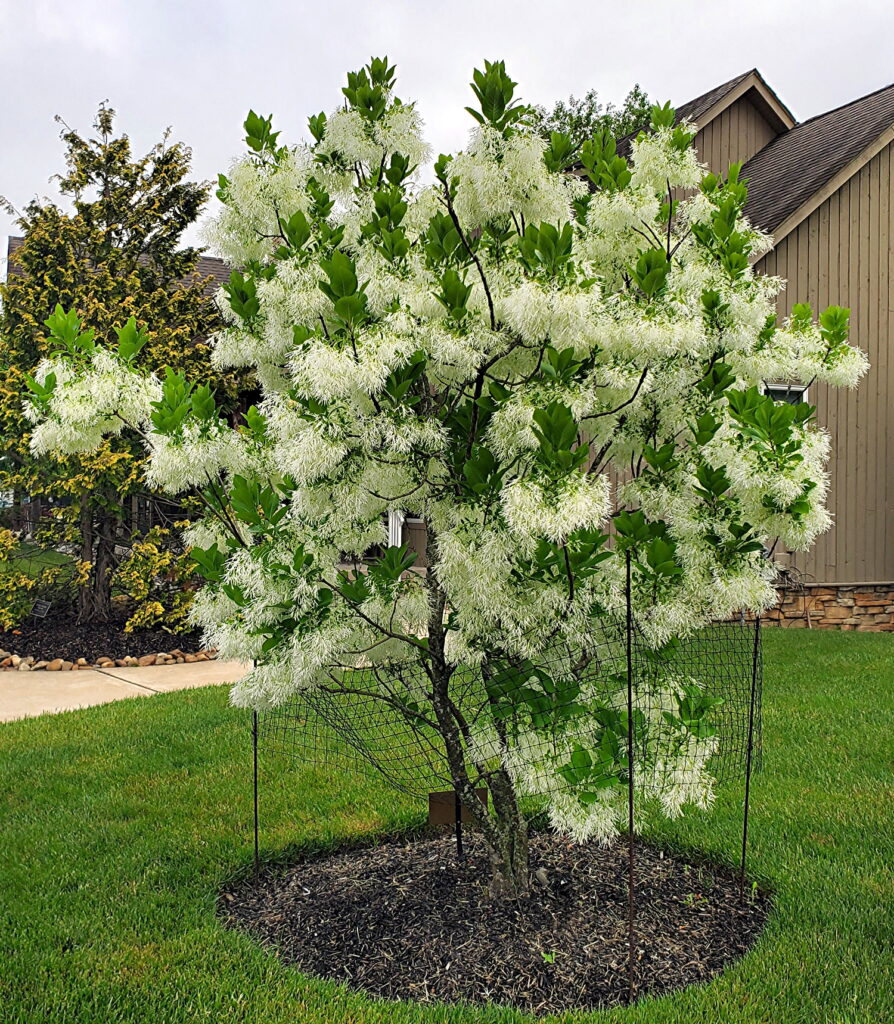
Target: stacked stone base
x=864, y=609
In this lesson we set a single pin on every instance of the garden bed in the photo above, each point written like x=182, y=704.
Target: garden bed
x=405, y=921
x=59, y=638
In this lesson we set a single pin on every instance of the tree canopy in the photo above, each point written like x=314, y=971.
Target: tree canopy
x=583, y=117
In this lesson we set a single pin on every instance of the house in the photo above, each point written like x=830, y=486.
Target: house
x=824, y=189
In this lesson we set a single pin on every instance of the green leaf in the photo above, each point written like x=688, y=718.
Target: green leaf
x=495, y=92
x=341, y=274
x=209, y=561
x=662, y=116
x=386, y=571
x=259, y=134
x=203, y=405
x=256, y=422
x=175, y=404
x=454, y=294
x=317, y=126
x=131, y=340
x=242, y=295
x=355, y=589
x=650, y=272
x=556, y=431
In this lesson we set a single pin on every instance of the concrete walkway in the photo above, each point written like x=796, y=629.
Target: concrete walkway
x=25, y=694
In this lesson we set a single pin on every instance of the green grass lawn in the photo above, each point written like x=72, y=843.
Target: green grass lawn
x=32, y=559
x=119, y=823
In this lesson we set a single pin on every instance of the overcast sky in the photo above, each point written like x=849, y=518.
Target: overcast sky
x=199, y=66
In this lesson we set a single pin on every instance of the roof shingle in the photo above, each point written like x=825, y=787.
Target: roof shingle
x=694, y=109
x=795, y=165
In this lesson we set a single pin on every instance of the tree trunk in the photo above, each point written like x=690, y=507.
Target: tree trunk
x=98, y=548
x=509, y=860
x=505, y=833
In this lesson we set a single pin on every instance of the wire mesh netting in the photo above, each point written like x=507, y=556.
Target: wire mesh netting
x=562, y=714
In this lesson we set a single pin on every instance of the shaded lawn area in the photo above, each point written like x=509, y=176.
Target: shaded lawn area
x=32, y=559
x=120, y=822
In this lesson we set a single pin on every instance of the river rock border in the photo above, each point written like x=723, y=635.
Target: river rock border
x=14, y=663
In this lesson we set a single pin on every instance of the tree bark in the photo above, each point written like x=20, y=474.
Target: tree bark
x=505, y=832
x=509, y=861
x=98, y=548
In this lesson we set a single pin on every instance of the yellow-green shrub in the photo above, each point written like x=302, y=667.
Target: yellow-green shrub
x=158, y=578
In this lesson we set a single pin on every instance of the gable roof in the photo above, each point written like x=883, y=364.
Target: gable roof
x=801, y=168
x=211, y=266
x=207, y=266
x=703, y=109
x=694, y=109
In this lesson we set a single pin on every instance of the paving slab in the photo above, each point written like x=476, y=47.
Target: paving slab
x=25, y=694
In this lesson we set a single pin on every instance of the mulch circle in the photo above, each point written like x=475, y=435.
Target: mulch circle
x=60, y=636
x=402, y=920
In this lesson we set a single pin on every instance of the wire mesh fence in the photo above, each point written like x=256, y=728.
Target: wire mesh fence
x=695, y=707
x=593, y=716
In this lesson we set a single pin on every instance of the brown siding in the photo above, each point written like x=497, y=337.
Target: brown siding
x=734, y=136
x=842, y=254
x=415, y=536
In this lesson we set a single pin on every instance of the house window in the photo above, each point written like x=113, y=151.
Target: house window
x=791, y=393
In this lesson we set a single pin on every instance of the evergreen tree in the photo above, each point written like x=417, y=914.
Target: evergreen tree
x=110, y=249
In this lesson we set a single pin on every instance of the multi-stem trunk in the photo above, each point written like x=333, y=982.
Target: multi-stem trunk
x=504, y=831
x=97, y=548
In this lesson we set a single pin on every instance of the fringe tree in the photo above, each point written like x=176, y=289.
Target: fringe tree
x=546, y=345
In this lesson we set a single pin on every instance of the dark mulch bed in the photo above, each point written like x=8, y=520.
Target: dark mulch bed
x=403, y=921
x=60, y=636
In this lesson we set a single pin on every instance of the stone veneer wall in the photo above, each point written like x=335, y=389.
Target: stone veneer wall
x=866, y=609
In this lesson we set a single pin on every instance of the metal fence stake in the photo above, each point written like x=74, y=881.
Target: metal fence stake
x=631, y=848
x=254, y=746
x=458, y=809
x=749, y=750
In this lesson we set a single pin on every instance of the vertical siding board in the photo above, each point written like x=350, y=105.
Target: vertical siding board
x=748, y=127
x=858, y=505
x=736, y=134
x=866, y=421
x=876, y=445
x=857, y=475
x=839, y=411
x=886, y=298
x=851, y=475
x=833, y=416
x=725, y=144
x=840, y=453
x=851, y=508
x=808, y=256
x=822, y=395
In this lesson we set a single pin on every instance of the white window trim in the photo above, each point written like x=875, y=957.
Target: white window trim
x=798, y=391
x=395, y=528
